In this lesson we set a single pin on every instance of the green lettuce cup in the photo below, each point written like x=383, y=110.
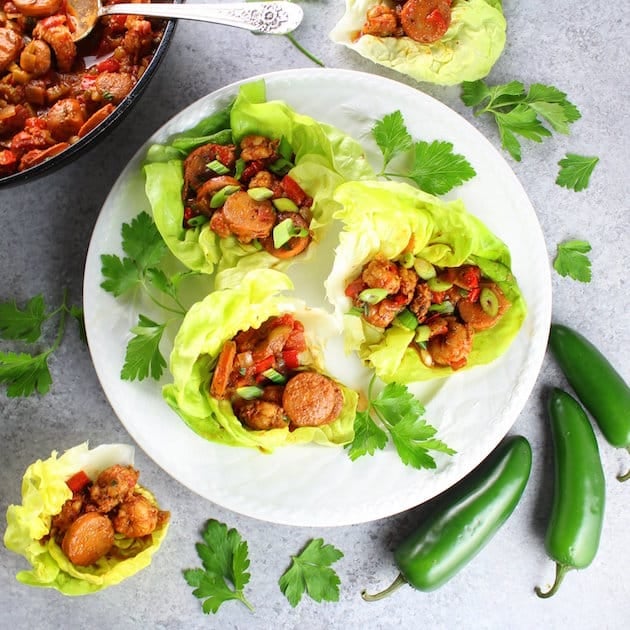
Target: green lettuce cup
x=466, y=52
x=209, y=324
x=394, y=220
x=44, y=492
x=324, y=158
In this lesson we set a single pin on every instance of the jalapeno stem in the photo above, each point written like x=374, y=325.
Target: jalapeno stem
x=561, y=571
x=626, y=475
x=395, y=585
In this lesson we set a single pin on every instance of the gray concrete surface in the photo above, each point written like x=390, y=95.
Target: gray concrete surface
x=46, y=226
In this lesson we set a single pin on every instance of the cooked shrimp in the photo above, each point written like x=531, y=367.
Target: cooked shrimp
x=382, y=21
x=261, y=415
x=247, y=218
x=65, y=118
x=382, y=313
x=70, y=510
x=258, y=148
x=452, y=348
x=425, y=21
x=55, y=32
x=473, y=313
x=113, y=486
x=408, y=281
x=381, y=273
x=88, y=539
x=422, y=300
x=10, y=46
x=36, y=58
x=136, y=517
x=311, y=399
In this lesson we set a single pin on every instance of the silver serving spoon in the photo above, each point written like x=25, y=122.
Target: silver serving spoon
x=272, y=18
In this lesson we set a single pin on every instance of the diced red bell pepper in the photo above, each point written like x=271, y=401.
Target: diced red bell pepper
x=251, y=169
x=78, y=481
x=293, y=190
x=264, y=364
x=295, y=341
x=437, y=20
x=291, y=359
x=354, y=288
x=108, y=65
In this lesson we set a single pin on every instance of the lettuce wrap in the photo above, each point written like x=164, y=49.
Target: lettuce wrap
x=466, y=52
x=44, y=491
x=215, y=320
x=324, y=158
x=385, y=217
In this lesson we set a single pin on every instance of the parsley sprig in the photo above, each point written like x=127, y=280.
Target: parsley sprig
x=531, y=114
x=571, y=260
x=24, y=373
x=225, y=560
x=575, y=171
x=435, y=168
x=400, y=414
x=310, y=572
x=141, y=270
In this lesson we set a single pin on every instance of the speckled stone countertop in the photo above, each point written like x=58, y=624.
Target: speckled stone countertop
x=46, y=227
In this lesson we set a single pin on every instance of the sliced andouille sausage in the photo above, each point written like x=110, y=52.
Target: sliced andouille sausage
x=88, y=539
x=295, y=245
x=65, y=118
x=425, y=21
x=222, y=372
x=96, y=119
x=10, y=46
x=311, y=399
x=247, y=218
x=38, y=8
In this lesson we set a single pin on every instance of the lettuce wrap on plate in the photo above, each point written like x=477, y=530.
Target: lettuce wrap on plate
x=249, y=187
x=63, y=542
x=423, y=287
x=472, y=42
x=247, y=366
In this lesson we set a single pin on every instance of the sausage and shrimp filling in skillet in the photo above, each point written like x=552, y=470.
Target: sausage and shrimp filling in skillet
x=444, y=306
x=86, y=526
x=425, y=21
x=244, y=191
x=263, y=372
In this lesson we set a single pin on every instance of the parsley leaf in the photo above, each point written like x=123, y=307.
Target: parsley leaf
x=225, y=562
x=571, y=260
x=142, y=242
x=143, y=356
x=435, y=168
x=24, y=374
x=400, y=413
x=521, y=112
x=24, y=324
x=310, y=573
x=575, y=171
x=121, y=275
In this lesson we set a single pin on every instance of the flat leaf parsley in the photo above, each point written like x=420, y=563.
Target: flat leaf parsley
x=575, y=171
x=435, y=168
x=310, y=572
x=140, y=270
x=521, y=112
x=225, y=560
x=571, y=260
x=24, y=373
x=400, y=413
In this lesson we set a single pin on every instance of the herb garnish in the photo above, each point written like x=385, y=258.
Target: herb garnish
x=400, y=413
x=435, y=168
x=140, y=269
x=571, y=260
x=225, y=562
x=24, y=373
x=575, y=171
x=521, y=112
x=310, y=573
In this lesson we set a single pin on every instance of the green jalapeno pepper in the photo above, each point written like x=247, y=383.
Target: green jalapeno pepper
x=467, y=518
x=579, y=494
x=599, y=387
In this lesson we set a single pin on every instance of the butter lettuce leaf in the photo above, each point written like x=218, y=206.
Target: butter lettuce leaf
x=470, y=47
x=216, y=319
x=44, y=491
x=325, y=157
x=384, y=217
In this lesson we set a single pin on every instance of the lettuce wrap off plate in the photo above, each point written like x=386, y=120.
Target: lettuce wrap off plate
x=466, y=52
x=44, y=492
x=324, y=157
x=391, y=219
x=209, y=324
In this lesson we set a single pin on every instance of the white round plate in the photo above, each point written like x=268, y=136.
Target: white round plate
x=313, y=485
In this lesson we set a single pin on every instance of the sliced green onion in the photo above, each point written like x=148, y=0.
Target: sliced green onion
x=424, y=268
x=217, y=167
x=437, y=285
x=373, y=296
x=200, y=219
x=356, y=311
x=406, y=319
x=249, y=392
x=489, y=302
x=446, y=308
x=239, y=167
x=407, y=260
x=285, y=231
x=281, y=166
x=284, y=204
x=274, y=376
x=422, y=334
x=260, y=193
x=218, y=199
